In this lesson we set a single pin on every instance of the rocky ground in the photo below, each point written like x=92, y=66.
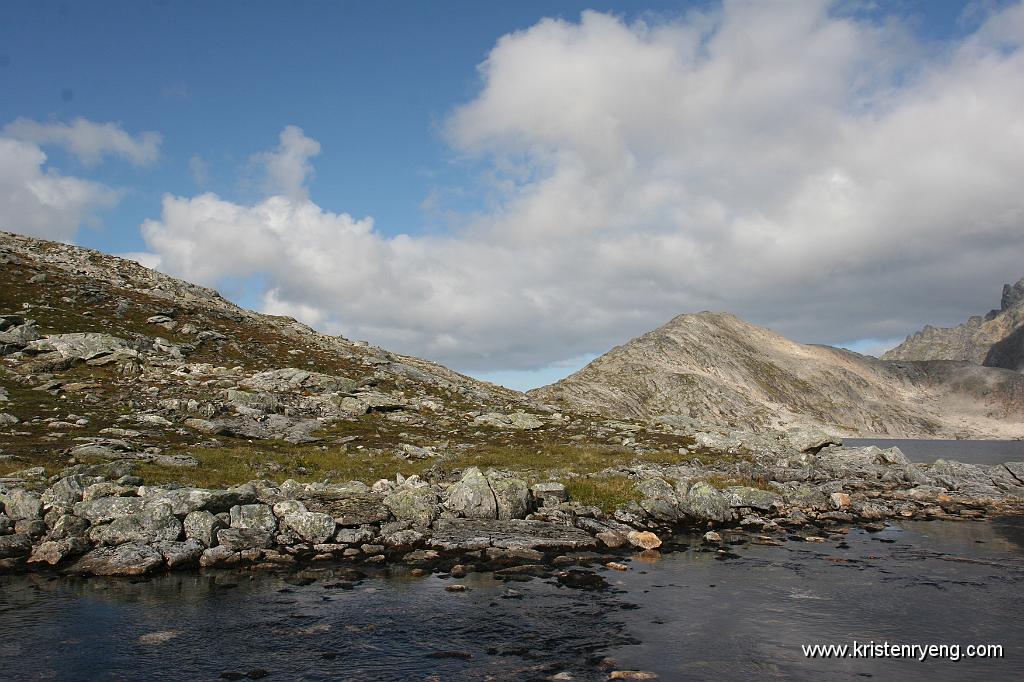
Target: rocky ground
x=147, y=424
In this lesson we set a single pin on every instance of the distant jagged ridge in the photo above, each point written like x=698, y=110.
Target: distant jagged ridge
x=993, y=340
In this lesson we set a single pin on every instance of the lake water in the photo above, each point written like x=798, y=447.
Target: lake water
x=693, y=614
x=971, y=451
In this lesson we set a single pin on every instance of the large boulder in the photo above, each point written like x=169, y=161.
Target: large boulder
x=313, y=527
x=180, y=554
x=152, y=524
x=78, y=346
x=512, y=496
x=53, y=552
x=127, y=559
x=105, y=509
x=256, y=516
x=202, y=525
x=472, y=496
x=187, y=500
x=659, y=499
x=703, y=502
x=238, y=539
x=22, y=504
x=811, y=439
x=416, y=504
x=16, y=545
x=67, y=491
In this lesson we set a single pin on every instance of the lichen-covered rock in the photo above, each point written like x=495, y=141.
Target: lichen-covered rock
x=238, y=539
x=78, y=346
x=180, y=554
x=256, y=516
x=152, y=524
x=312, y=527
x=22, y=504
x=703, y=502
x=105, y=509
x=472, y=496
x=186, y=500
x=355, y=510
x=659, y=499
x=293, y=379
x=127, y=559
x=755, y=498
x=516, y=420
x=967, y=478
x=512, y=496
x=67, y=491
x=285, y=507
x=68, y=525
x=53, y=552
x=202, y=526
x=419, y=505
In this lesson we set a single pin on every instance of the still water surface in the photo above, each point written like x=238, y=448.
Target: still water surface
x=694, y=614
x=970, y=451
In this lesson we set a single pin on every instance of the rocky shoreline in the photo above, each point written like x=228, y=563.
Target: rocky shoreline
x=102, y=520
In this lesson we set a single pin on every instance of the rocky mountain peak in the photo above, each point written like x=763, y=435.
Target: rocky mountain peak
x=1013, y=295
x=992, y=340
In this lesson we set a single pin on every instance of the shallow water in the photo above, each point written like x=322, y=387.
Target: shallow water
x=692, y=614
x=970, y=451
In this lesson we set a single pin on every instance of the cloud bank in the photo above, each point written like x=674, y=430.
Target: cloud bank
x=836, y=179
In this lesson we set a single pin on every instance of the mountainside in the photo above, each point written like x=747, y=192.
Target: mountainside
x=103, y=361
x=993, y=340
x=717, y=368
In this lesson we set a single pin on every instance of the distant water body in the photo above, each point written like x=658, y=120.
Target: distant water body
x=970, y=451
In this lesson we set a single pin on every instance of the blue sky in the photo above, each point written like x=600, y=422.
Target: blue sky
x=409, y=135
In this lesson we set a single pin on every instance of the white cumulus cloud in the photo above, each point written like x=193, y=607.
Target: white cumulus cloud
x=288, y=168
x=836, y=179
x=89, y=141
x=39, y=201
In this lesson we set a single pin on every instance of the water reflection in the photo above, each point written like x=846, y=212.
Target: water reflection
x=689, y=612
